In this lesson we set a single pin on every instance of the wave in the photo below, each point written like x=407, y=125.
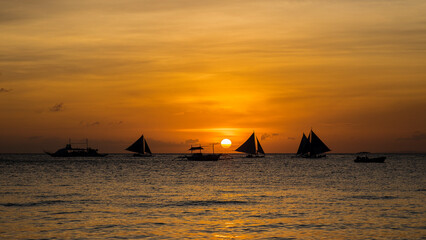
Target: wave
x=208, y=203
x=32, y=204
x=66, y=195
x=370, y=197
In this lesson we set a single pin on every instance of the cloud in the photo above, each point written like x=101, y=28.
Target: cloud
x=268, y=135
x=416, y=136
x=291, y=138
x=190, y=141
x=113, y=124
x=5, y=90
x=57, y=107
x=90, y=124
x=34, y=138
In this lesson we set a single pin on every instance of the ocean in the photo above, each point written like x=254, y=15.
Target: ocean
x=163, y=197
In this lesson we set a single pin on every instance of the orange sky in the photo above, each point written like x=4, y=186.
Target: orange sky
x=188, y=72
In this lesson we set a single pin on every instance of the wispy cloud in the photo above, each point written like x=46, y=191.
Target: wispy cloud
x=90, y=124
x=268, y=135
x=34, y=137
x=57, y=107
x=113, y=124
x=190, y=141
x=416, y=136
x=4, y=90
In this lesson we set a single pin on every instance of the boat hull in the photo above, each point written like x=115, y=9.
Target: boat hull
x=370, y=160
x=203, y=157
x=313, y=156
x=255, y=156
x=76, y=154
x=142, y=155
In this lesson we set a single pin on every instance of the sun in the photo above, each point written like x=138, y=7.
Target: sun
x=226, y=143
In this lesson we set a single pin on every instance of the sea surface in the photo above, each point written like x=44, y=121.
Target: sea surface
x=163, y=197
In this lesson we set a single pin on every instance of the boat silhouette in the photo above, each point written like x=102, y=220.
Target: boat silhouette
x=252, y=147
x=312, y=147
x=364, y=158
x=199, y=156
x=140, y=148
x=69, y=151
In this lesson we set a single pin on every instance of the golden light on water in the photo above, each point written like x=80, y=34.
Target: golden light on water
x=226, y=143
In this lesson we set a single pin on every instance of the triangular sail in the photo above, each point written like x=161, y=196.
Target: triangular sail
x=137, y=146
x=249, y=146
x=317, y=146
x=259, y=147
x=147, y=150
x=304, y=145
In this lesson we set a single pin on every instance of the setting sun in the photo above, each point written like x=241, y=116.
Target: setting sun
x=226, y=143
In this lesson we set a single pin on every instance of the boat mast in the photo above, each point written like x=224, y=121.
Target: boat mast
x=213, y=146
x=143, y=144
x=255, y=143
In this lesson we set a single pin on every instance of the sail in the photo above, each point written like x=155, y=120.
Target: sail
x=317, y=146
x=249, y=146
x=259, y=147
x=137, y=146
x=304, y=145
x=147, y=150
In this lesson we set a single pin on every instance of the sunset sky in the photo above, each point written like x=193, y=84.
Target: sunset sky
x=196, y=72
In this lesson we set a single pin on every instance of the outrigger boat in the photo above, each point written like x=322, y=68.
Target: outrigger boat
x=252, y=147
x=363, y=158
x=199, y=156
x=69, y=151
x=312, y=147
x=140, y=148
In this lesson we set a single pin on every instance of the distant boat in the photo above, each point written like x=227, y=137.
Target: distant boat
x=140, y=148
x=363, y=158
x=69, y=151
x=199, y=156
x=252, y=147
x=312, y=147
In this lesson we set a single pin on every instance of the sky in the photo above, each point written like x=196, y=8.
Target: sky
x=196, y=72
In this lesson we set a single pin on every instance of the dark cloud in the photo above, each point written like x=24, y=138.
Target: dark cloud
x=57, y=107
x=268, y=135
x=34, y=138
x=190, y=141
x=416, y=136
x=5, y=90
x=291, y=138
x=90, y=124
x=113, y=124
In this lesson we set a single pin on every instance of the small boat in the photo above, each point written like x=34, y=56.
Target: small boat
x=226, y=157
x=363, y=158
x=199, y=156
x=140, y=148
x=252, y=147
x=69, y=151
x=312, y=147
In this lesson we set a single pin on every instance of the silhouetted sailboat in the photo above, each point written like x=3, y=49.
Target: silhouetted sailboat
x=252, y=147
x=140, y=147
x=312, y=146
